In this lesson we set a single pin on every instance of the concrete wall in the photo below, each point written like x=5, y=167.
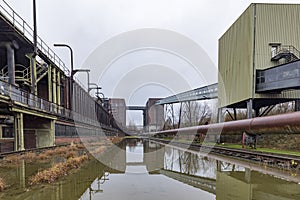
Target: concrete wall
x=40, y=130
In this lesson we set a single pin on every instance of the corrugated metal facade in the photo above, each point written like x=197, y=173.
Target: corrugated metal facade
x=235, y=60
x=275, y=23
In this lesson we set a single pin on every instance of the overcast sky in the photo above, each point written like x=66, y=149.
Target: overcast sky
x=87, y=24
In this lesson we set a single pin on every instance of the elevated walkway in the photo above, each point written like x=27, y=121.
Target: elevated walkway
x=279, y=78
x=202, y=93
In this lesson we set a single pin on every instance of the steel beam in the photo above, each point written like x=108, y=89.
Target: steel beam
x=135, y=108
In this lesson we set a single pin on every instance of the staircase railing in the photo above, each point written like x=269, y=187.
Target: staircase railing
x=286, y=49
x=18, y=23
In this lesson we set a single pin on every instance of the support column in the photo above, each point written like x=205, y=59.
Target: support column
x=144, y=119
x=297, y=105
x=54, y=99
x=33, y=74
x=11, y=63
x=52, y=133
x=220, y=117
x=249, y=108
x=21, y=172
x=180, y=113
x=58, y=88
x=219, y=166
x=248, y=175
x=50, y=82
x=19, y=132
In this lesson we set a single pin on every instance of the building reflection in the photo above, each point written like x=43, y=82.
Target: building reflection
x=227, y=180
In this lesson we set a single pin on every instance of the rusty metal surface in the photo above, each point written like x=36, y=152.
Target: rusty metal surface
x=284, y=123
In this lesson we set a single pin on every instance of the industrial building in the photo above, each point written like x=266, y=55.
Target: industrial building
x=258, y=56
x=154, y=115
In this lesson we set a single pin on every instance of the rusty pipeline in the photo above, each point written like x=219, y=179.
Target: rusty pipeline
x=284, y=123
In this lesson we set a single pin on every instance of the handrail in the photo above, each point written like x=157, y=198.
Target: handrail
x=17, y=22
x=286, y=49
x=32, y=101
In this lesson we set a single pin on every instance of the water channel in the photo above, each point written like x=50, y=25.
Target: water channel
x=144, y=170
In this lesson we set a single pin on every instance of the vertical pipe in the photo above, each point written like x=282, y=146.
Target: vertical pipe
x=34, y=29
x=88, y=82
x=254, y=51
x=11, y=64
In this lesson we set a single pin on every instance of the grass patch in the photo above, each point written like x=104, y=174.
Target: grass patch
x=59, y=170
x=239, y=146
x=266, y=150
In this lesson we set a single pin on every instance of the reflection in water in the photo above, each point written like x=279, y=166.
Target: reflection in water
x=146, y=170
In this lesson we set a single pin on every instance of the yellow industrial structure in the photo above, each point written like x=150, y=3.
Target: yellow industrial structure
x=264, y=36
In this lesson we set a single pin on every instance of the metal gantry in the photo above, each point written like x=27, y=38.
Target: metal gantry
x=202, y=93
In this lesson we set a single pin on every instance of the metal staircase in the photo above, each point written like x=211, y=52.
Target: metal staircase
x=288, y=52
x=23, y=74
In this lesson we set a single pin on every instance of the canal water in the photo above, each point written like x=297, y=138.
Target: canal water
x=144, y=170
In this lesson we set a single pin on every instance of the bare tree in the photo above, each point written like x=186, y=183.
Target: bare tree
x=194, y=113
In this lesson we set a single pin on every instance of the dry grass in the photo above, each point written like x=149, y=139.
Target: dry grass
x=71, y=154
x=12, y=159
x=115, y=140
x=42, y=156
x=67, y=152
x=29, y=156
x=61, y=169
x=98, y=150
x=2, y=185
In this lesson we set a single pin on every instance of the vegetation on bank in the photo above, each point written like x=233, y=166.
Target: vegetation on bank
x=58, y=170
x=70, y=159
x=29, y=157
x=2, y=184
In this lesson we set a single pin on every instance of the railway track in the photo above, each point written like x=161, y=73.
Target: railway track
x=283, y=161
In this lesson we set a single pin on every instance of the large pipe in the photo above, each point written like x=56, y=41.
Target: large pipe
x=283, y=123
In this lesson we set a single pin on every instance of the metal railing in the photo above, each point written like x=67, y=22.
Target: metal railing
x=18, y=23
x=19, y=96
x=286, y=49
